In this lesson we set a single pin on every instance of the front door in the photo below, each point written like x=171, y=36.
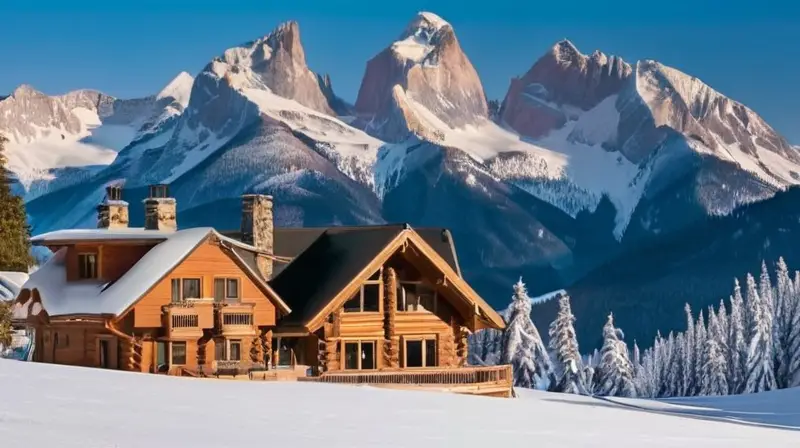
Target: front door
x=104, y=353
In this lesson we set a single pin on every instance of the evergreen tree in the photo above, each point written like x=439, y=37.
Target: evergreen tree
x=5, y=324
x=677, y=359
x=715, y=380
x=783, y=320
x=792, y=343
x=564, y=348
x=737, y=343
x=699, y=353
x=615, y=372
x=760, y=375
x=688, y=352
x=14, y=231
x=522, y=346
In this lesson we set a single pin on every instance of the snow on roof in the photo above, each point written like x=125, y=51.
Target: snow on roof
x=11, y=283
x=100, y=234
x=60, y=297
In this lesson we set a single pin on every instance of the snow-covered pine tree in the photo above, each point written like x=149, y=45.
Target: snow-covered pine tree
x=688, y=353
x=760, y=375
x=699, y=352
x=782, y=324
x=715, y=380
x=722, y=322
x=737, y=342
x=485, y=347
x=674, y=368
x=615, y=370
x=659, y=371
x=765, y=290
x=645, y=378
x=564, y=349
x=792, y=308
x=522, y=346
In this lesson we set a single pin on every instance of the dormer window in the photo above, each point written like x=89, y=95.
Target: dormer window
x=87, y=266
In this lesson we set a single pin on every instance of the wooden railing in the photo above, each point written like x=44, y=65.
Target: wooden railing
x=235, y=319
x=184, y=320
x=493, y=380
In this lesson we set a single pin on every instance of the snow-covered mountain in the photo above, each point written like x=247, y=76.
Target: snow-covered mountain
x=58, y=141
x=584, y=151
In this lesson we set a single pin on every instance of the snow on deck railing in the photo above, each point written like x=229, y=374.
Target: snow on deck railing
x=445, y=376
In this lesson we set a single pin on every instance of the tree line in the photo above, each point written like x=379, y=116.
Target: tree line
x=751, y=343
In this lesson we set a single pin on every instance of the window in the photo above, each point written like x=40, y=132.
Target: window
x=87, y=266
x=368, y=298
x=178, y=353
x=191, y=288
x=235, y=351
x=176, y=290
x=359, y=355
x=416, y=296
x=61, y=341
x=226, y=290
x=219, y=350
x=420, y=352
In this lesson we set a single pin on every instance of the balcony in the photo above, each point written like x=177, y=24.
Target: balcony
x=495, y=381
x=235, y=319
x=187, y=319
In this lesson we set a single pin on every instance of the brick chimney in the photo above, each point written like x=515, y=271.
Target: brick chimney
x=257, y=228
x=112, y=213
x=160, y=210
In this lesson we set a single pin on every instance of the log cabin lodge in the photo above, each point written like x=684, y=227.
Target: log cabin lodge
x=383, y=305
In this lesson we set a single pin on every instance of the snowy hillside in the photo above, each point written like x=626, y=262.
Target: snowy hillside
x=97, y=408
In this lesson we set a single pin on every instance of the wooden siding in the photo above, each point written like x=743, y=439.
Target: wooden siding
x=206, y=262
x=78, y=345
x=443, y=325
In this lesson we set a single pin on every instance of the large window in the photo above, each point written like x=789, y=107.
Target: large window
x=420, y=352
x=178, y=353
x=186, y=288
x=226, y=290
x=368, y=297
x=359, y=355
x=87, y=266
x=416, y=296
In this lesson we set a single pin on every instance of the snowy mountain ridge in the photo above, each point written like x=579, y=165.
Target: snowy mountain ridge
x=574, y=131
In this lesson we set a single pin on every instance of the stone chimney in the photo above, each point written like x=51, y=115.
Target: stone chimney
x=112, y=213
x=257, y=228
x=160, y=210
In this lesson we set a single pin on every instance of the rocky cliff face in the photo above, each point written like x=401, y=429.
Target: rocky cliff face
x=278, y=62
x=429, y=66
x=560, y=83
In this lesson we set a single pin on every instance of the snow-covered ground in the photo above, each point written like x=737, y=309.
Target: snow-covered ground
x=47, y=405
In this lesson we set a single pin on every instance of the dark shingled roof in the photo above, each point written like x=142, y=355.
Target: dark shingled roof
x=325, y=260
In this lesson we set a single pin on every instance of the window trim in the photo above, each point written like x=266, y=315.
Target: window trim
x=401, y=297
x=96, y=255
x=374, y=282
x=225, y=295
x=359, y=341
x=172, y=357
x=180, y=281
x=421, y=338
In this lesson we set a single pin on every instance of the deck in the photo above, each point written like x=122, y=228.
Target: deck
x=495, y=381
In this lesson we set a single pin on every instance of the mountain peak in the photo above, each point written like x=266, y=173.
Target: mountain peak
x=179, y=88
x=24, y=90
x=427, y=20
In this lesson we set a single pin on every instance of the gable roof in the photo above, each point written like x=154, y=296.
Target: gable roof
x=290, y=242
x=340, y=255
x=60, y=297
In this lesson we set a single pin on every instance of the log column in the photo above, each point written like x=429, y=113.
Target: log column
x=463, y=347
x=391, y=352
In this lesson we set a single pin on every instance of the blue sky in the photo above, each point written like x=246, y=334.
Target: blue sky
x=748, y=50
